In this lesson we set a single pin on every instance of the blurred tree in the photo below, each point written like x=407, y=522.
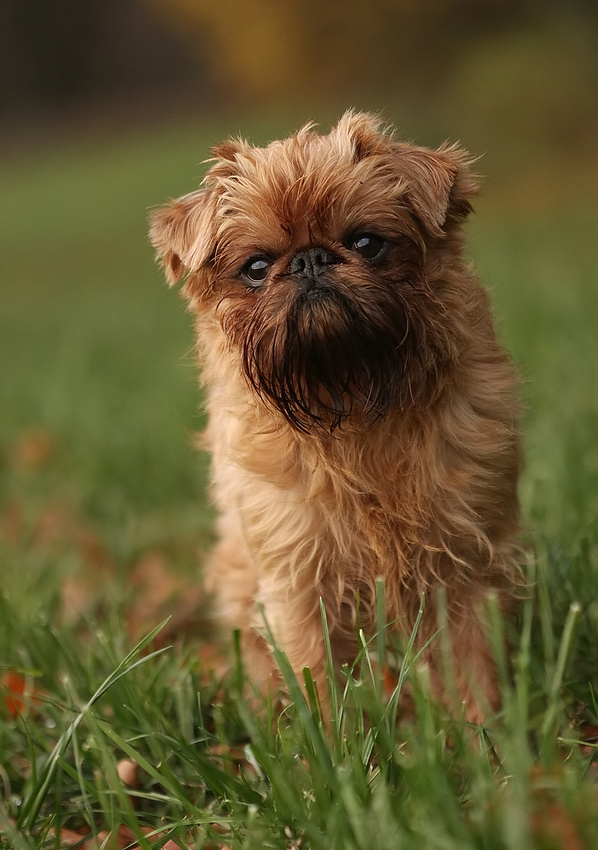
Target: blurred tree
x=58, y=53
x=263, y=48
x=509, y=66
x=485, y=69
x=252, y=45
x=537, y=83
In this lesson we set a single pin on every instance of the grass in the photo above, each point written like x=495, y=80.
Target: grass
x=102, y=501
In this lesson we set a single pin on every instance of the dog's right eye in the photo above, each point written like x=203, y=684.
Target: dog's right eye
x=256, y=270
x=369, y=246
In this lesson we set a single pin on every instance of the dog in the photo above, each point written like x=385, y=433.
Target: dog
x=363, y=418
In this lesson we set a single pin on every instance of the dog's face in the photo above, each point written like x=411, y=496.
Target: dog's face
x=321, y=257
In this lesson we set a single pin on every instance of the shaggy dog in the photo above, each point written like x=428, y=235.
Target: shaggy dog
x=362, y=415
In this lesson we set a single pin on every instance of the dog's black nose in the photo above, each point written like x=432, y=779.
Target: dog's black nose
x=311, y=263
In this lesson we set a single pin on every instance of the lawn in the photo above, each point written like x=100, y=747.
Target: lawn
x=113, y=736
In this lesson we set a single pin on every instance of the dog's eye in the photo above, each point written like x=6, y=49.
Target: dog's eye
x=256, y=269
x=368, y=245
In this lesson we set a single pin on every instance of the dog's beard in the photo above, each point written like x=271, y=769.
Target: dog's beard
x=325, y=355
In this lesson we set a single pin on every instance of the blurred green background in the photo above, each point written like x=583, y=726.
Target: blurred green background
x=108, y=107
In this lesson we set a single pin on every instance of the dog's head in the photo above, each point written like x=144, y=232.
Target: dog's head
x=322, y=258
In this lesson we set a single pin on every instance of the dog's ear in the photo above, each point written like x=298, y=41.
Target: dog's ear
x=183, y=233
x=362, y=131
x=438, y=184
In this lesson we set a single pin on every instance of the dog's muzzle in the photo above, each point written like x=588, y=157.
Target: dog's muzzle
x=310, y=267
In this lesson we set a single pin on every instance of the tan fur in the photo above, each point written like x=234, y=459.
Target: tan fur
x=423, y=491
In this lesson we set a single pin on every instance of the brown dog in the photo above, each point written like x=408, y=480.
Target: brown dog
x=362, y=416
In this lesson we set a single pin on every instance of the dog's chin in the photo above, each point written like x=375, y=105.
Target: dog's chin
x=326, y=358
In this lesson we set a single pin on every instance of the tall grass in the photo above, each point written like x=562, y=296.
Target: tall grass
x=98, y=410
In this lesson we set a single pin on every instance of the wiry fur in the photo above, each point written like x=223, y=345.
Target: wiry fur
x=364, y=428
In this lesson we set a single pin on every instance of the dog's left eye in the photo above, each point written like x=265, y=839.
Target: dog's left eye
x=256, y=270
x=368, y=245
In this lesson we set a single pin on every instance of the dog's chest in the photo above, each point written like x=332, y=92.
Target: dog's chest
x=322, y=524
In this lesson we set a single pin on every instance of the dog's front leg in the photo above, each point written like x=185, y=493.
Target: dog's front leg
x=467, y=667
x=296, y=628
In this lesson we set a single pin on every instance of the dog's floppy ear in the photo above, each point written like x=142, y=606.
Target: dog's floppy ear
x=183, y=233
x=439, y=184
x=363, y=131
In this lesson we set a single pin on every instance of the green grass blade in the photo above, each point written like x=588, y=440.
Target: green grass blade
x=33, y=803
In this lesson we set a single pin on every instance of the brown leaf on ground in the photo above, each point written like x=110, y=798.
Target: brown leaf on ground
x=11, y=528
x=557, y=827
x=92, y=551
x=589, y=736
x=213, y=660
x=33, y=449
x=233, y=756
x=123, y=839
x=160, y=592
x=390, y=679
x=78, y=595
x=81, y=591
x=55, y=526
x=19, y=694
x=68, y=838
x=83, y=840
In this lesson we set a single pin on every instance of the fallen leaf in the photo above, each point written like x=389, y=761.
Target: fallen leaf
x=69, y=838
x=556, y=825
x=54, y=527
x=33, y=450
x=19, y=693
x=12, y=523
x=159, y=592
x=122, y=839
x=78, y=595
x=552, y=823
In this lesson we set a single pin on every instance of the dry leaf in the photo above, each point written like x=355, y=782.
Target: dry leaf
x=19, y=693
x=556, y=825
x=12, y=523
x=158, y=590
x=33, y=449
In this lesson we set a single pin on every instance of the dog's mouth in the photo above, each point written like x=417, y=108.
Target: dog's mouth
x=318, y=292
x=331, y=354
